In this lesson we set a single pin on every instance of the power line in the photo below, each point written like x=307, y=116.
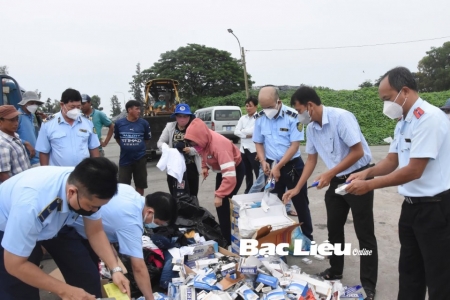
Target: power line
x=344, y=47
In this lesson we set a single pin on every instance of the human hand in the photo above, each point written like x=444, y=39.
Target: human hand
x=187, y=150
x=30, y=149
x=358, y=176
x=103, y=144
x=324, y=179
x=74, y=293
x=275, y=173
x=205, y=173
x=217, y=201
x=358, y=187
x=290, y=194
x=122, y=282
x=265, y=167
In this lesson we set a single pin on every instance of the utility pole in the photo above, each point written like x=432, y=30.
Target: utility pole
x=241, y=49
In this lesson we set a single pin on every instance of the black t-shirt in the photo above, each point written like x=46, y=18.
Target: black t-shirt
x=178, y=136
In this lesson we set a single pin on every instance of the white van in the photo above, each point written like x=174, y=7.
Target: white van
x=221, y=119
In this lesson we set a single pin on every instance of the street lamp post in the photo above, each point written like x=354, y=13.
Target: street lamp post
x=241, y=49
x=124, y=103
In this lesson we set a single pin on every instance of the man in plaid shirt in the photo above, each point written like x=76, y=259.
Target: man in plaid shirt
x=13, y=156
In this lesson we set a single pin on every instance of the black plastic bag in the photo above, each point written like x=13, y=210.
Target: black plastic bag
x=194, y=217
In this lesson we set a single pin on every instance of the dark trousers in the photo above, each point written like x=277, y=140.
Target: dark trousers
x=70, y=255
x=191, y=181
x=223, y=212
x=11, y=288
x=251, y=166
x=289, y=176
x=424, y=232
x=338, y=207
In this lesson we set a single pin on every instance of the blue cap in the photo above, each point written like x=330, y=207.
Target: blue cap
x=182, y=109
x=85, y=98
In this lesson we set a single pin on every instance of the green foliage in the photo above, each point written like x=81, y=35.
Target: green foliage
x=364, y=103
x=434, y=70
x=365, y=84
x=137, y=84
x=200, y=70
x=115, y=106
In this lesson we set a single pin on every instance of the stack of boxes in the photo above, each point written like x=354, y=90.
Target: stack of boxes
x=276, y=216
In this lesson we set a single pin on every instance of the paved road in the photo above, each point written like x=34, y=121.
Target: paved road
x=386, y=211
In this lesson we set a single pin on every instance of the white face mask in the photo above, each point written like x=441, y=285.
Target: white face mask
x=304, y=117
x=32, y=108
x=73, y=113
x=393, y=110
x=271, y=112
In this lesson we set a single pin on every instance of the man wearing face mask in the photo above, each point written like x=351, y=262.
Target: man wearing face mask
x=67, y=137
x=446, y=108
x=35, y=208
x=418, y=163
x=123, y=220
x=277, y=137
x=334, y=134
x=27, y=124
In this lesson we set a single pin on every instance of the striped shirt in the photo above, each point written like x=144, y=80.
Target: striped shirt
x=340, y=131
x=13, y=156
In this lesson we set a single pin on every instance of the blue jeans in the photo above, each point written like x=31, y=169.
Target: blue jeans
x=259, y=185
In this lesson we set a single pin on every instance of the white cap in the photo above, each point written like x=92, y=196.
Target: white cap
x=30, y=96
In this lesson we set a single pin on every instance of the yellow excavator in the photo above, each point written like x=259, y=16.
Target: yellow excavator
x=161, y=98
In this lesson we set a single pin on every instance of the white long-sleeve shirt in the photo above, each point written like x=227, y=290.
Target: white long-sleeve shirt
x=245, y=128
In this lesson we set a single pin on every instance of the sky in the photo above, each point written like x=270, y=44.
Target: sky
x=94, y=46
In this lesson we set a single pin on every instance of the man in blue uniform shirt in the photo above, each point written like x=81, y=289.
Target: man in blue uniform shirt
x=123, y=220
x=334, y=135
x=67, y=137
x=418, y=163
x=277, y=138
x=34, y=206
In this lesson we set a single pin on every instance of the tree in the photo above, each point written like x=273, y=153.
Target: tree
x=200, y=70
x=48, y=106
x=4, y=70
x=137, y=85
x=366, y=84
x=434, y=70
x=95, y=102
x=115, y=106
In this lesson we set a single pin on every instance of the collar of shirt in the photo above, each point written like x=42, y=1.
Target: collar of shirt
x=410, y=113
x=325, y=119
x=93, y=112
x=282, y=111
x=8, y=137
x=24, y=114
x=63, y=195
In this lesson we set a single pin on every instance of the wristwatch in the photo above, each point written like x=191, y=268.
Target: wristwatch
x=116, y=269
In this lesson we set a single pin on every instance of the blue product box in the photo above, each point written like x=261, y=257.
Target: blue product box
x=267, y=280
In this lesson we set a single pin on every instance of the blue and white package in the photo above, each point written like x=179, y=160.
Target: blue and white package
x=267, y=280
x=246, y=293
x=206, y=282
x=277, y=294
x=297, y=289
x=173, y=291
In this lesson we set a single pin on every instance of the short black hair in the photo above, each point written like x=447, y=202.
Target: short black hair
x=253, y=100
x=305, y=94
x=70, y=95
x=400, y=77
x=132, y=103
x=164, y=205
x=95, y=176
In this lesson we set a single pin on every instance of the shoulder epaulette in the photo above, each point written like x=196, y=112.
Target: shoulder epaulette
x=55, y=204
x=290, y=113
x=418, y=112
x=48, y=118
x=260, y=114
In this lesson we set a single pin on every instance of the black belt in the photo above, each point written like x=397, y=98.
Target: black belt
x=356, y=171
x=437, y=198
x=291, y=162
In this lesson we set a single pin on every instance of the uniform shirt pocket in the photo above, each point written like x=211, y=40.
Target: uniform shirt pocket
x=266, y=133
x=57, y=140
x=83, y=137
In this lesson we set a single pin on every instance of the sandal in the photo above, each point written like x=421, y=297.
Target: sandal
x=327, y=275
x=292, y=213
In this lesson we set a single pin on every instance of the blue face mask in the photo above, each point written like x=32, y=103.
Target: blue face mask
x=152, y=224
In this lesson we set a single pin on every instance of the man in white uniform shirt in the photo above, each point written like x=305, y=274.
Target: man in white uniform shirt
x=244, y=130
